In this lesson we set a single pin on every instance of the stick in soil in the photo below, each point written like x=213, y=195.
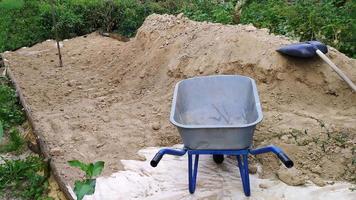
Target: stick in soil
x=56, y=33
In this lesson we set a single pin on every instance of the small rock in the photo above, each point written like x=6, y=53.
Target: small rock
x=263, y=186
x=143, y=114
x=156, y=126
x=317, y=169
x=105, y=118
x=252, y=169
x=100, y=145
x=318, y=181
x=250, y=28
x=142, y=75
x=280, y=76
x=180, y=15
x=291, y=176
x=284, y=138
x=56, y=151
x=66, y=117
x=330, y=182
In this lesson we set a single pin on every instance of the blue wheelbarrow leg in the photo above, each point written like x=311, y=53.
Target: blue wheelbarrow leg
x=244, y=173
x=192, y=176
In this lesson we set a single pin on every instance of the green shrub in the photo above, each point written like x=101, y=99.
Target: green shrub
x=25, y=22
x=332, y=22
x=207, y=10
x=20, y=24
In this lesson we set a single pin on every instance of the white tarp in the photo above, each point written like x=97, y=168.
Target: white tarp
x=169, y=180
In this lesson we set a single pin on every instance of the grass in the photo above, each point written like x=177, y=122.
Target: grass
x=11, y=116
x=11, y=113
x=22, y=178
x=15, y=144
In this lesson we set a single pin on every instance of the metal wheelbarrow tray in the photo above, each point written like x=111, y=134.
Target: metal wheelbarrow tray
x=216, y=112
x=217, y=115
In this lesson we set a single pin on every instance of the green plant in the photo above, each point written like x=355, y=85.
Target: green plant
x=15, y=144
x=330, y=21
x=10, y=111
x=26, y=22
x=207, y=10
x=87, y=185
x=22, y=179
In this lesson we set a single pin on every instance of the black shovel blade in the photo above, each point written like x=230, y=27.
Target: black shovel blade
x=303, y=49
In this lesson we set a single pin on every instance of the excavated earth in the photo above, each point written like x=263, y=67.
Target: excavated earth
x=113, y=98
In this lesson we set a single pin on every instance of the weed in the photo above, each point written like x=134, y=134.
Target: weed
x=10, y=111
x=87, y=185
x=22, y=179
x=15, y=144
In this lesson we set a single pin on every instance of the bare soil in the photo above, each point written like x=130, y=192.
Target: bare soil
x=113, y=98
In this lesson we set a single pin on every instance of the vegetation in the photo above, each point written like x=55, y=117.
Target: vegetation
x=10, y=111
x=15, y=144
x=330, y=21
x=22, y=178
x=11, y=116
x=25, y=22
x=87, y=185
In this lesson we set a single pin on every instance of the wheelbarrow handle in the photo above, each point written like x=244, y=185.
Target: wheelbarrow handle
x=285, y=159
x=176, y=152
x=276, y=150
x=155, y=160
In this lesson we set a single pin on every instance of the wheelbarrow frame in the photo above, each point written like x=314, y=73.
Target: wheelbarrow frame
x=241, y=156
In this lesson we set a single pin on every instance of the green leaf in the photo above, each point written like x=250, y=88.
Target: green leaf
x=98, y=168
x=89, y=171
x=76, y=163
x=82, y=188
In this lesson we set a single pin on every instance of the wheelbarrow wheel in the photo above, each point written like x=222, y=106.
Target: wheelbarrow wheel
x=218, y=158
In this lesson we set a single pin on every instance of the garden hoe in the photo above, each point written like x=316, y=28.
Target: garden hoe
x=310, y=49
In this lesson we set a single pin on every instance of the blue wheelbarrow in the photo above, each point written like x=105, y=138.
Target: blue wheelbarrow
x=217, y=115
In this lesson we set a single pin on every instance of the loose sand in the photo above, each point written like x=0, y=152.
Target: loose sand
x=113, y=98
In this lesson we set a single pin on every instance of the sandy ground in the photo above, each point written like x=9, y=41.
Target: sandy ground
x=113, y=98
x=215, y=182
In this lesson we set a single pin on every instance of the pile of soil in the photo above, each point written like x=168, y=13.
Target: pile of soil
x=113, y=98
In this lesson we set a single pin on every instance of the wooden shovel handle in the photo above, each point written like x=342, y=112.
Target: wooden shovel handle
x=336, y=69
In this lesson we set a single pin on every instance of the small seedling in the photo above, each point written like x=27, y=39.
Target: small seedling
x=87, y=185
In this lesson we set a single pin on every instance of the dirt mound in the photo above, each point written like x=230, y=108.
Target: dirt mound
x=113, y=98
